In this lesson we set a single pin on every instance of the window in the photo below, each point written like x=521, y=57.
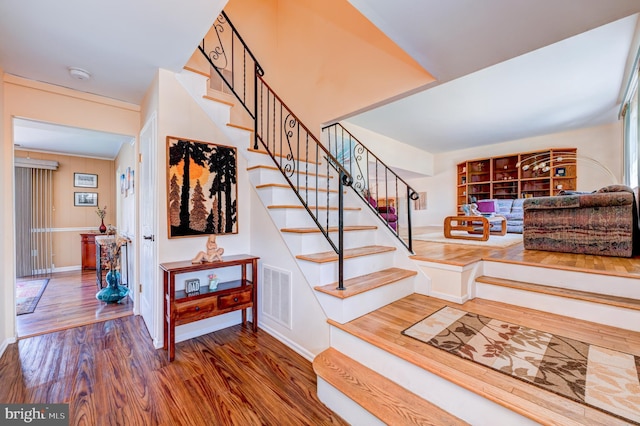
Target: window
x=631, y=141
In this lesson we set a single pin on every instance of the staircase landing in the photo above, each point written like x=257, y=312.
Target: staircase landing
x=383, y=328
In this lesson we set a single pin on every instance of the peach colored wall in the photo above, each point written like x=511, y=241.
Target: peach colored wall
x=327, y=49
x=39, y=101
x=7, y=300
x=69, y=220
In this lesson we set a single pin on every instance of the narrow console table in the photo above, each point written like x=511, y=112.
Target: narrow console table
x=182, y=308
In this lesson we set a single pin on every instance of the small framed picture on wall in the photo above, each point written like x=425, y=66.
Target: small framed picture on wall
x=85, y=180
x=85, y=199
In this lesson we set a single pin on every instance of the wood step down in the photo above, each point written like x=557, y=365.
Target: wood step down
x=332, y=256
x=331, y=229
x=282, y=206
x=603, y=299
x=391, y=403
x=274, y=168
x=363, y=283
x=300, y=188
x=218, y=99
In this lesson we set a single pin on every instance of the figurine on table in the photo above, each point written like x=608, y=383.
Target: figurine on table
x=213, y=253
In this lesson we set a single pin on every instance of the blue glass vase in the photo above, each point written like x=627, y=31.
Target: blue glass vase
x=113, y=292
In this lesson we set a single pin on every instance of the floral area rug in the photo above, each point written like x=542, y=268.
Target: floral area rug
x=599, y=377
x=28, y=294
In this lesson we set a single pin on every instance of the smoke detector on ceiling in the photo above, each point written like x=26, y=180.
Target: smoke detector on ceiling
x=79, y=73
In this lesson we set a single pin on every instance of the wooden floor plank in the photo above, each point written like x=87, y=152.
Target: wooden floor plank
x=68, y=301
x=110, y=373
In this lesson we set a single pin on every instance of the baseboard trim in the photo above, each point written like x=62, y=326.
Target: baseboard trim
x=293, y=345
x=67, y=268
x=448, y=298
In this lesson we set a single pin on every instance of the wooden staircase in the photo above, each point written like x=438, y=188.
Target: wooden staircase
x=371, y=373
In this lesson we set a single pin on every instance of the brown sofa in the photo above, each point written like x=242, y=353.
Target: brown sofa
x=604, y=222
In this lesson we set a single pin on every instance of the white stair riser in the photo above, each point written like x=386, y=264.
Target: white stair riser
x=327, y=273
x=628, y=319
x=575, y=280
x=345, y=310
x=267, y=175
x=452, y=398
x=316, y=242
x=296, y=218
x=340, y=404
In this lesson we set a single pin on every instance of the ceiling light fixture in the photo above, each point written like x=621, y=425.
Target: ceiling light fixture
x=79, y=73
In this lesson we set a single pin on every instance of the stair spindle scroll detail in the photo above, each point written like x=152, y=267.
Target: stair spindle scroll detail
x=375, y=182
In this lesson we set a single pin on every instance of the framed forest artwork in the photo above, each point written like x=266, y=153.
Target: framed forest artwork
x=203, y=189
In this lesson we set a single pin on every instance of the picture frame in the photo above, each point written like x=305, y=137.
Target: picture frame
x=561, y=171
x=85, y=199
x=211, y=206
x=85, y=180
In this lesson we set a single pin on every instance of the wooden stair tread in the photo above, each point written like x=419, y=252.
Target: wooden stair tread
x=300, y=188
x=386, y=400
x=331, y=256
x=241, y=127
x=383, y=328
x=356, y=285
x=262, y=166
x=217, y=99
x=604, y=299
x=291, y=206
x=331, y=229
x=264, y=152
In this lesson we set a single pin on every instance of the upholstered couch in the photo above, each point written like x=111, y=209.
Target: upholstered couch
x=510, y=209
x=388, y=213
x=602, y=223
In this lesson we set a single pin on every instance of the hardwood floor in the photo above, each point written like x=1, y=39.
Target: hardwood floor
x=69, y=300
x=110, y=374
x=457, y=254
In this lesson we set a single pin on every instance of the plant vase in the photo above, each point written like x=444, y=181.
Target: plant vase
x=114, y=291
x=102, y=227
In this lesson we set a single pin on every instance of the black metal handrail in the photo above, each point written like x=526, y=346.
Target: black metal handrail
x=375, y=182
x=305, y=163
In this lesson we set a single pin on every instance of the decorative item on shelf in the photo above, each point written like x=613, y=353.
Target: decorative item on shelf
x=213, y=253
x=192, y=286
x=464, y=179
x=561, y=160
x=561, y=171
x=213, y=281
x=111, y=230
x=102, y=212
x=114, y=291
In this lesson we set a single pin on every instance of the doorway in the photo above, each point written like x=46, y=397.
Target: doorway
x=84, y=181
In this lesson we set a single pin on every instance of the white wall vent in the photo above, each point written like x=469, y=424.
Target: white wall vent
x=276, y=295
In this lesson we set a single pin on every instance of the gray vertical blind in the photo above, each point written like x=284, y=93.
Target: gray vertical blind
x=34, y=216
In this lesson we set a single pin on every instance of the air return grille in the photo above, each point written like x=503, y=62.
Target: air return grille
x=276, y=295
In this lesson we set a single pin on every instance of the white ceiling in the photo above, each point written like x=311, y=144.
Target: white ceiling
x=497, y=79
x=122, y=43
x=505, y=69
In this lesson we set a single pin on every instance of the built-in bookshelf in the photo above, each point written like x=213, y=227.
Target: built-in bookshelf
x=521, y=175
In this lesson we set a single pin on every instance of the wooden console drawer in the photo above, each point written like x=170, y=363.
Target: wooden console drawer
x=235, y=299
x=194, y=309
x=235, y=292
